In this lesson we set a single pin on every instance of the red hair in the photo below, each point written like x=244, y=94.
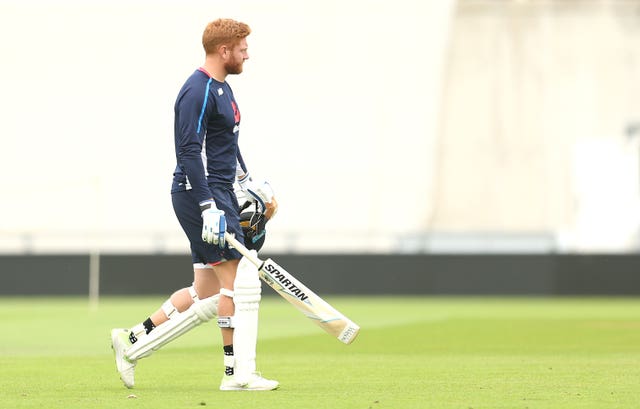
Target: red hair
x=223, y=31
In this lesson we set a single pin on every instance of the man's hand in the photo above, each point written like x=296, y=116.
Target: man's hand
x=214, y=224
x=272, y=208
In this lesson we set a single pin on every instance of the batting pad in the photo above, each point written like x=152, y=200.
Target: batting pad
x=247, y=296
x=179, y=324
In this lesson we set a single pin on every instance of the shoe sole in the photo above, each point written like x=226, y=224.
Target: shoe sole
x=233, y=388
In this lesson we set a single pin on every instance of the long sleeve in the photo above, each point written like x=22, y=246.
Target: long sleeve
x=191, y=109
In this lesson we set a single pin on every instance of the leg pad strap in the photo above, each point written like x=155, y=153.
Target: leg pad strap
x=227, y=292
x=193, y=294
x=169, y=309
x=225, y=322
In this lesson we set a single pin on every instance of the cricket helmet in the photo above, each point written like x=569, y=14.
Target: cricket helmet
x=253, y=224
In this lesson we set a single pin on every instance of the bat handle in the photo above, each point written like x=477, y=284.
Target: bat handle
x=231, y=239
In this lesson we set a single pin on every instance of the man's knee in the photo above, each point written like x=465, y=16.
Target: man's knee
x=180, y=301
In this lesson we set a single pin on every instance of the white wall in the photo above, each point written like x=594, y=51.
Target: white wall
x=527, y=85
x=339, y=102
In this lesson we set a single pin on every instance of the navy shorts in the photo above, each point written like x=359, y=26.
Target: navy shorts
x=187, y=209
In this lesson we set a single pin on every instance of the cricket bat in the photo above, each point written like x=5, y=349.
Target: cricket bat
x=300, y=296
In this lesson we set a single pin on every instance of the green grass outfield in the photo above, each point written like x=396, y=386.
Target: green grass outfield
x=412, y=352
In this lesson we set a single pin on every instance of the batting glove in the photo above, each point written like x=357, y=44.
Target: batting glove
x=256, y=191
x=214, y=224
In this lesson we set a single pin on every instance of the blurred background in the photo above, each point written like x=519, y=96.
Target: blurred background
x=431, y=131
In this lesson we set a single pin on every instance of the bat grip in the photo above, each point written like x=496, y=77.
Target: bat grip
x=231, y=239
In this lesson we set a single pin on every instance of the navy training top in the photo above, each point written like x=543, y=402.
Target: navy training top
x=206, y=130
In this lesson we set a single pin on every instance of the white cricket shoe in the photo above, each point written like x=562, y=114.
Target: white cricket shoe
x=255, y=383
x=120, y=343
